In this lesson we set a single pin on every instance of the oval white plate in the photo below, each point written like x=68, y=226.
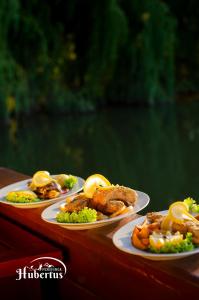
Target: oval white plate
x=122, y=240
x=22, y=185
x=49, y=215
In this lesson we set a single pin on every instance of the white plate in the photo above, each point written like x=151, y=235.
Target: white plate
x=49, y=215
x=122, y=240
x=22, y=185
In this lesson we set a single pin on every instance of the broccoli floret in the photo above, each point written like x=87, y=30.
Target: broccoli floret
x=86, y=215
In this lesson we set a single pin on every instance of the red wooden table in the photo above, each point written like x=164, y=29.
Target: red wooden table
x=18, y=248
x=96, y=268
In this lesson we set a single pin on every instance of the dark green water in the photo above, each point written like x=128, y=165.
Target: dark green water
x=153, y=150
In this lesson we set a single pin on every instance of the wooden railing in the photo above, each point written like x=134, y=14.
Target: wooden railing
x=96, y=268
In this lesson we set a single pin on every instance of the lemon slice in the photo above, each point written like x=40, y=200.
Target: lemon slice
x=178, y=212
x=93, y=182
x=41, y=173
x=41, y=178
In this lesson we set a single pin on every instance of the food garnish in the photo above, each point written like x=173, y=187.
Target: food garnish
x=40, y=179
x=108, y=201
x=192, y=205
x=170, y=243
x=70, y=182
x=86, y=215
x=175, y=232
x=93, y=182
x=66, y=181
x=178, y=213
x=22, y=197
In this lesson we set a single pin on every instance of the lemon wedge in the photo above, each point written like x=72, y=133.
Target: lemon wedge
x=179, y=213
x=93, y=182
x=41, y=178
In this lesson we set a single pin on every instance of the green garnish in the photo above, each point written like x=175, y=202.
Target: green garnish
x=192, y=205
x=86, y=215
x=22, y=196
x=22, y=199
x=70, y=182
x=169, y=247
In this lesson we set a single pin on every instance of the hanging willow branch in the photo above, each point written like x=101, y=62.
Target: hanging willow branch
x=75, y=55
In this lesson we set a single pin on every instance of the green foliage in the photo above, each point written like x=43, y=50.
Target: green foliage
x=72, y=55
x=187, y=54
x=156, y=52
x=108, y=35
x=149, y=58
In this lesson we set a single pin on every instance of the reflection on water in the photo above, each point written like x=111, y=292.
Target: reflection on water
x=155, y=151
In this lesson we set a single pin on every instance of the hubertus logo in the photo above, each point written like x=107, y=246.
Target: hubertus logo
x=42, y=268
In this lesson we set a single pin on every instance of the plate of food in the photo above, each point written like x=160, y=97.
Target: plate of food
x=100, y=204
x=166, y=235
x=41, y=190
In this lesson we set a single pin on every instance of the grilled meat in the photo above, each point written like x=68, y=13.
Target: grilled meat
x=109, y=200
x=77, y=204
x=154, y=217
x=49, y=191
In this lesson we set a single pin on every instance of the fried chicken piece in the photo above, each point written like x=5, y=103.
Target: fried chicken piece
x=113, y=200
x=182, y=228
x=77, y=204
x=154, y=217
x=194, y=229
